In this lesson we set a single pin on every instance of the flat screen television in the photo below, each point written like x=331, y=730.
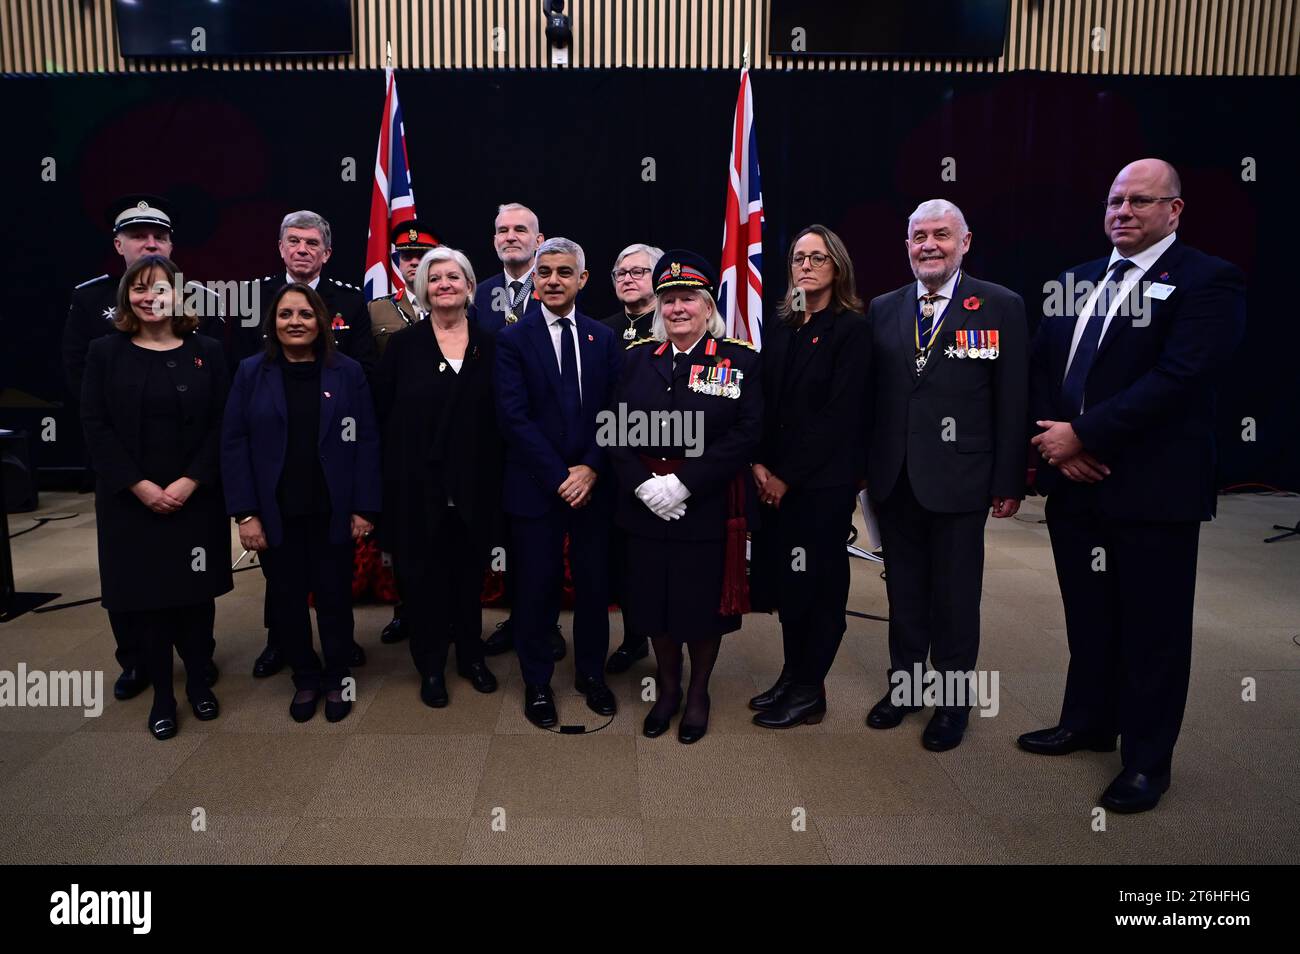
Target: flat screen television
x=897, y=28
x=233, y=27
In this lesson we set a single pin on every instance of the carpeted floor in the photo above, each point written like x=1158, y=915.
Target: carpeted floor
x=397, y=782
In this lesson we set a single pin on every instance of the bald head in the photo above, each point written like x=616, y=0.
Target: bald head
x=1143, y=206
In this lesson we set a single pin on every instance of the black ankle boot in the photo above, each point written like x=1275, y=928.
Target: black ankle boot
x=798, y=705
x=766, y=700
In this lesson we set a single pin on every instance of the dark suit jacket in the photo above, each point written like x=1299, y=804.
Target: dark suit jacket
x=255, y=437
x=978, y=403
x=1149, y=413
x=349, y=318
x=532, y=421
x=485, y=297
x=414, y=396
x=812, y=430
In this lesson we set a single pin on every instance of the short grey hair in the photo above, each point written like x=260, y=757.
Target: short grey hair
x=306, y=219
x=715, y=327
x=517, y=207
x=562, y=246
x=652, y=251
x=937, y=209
x=442, y=254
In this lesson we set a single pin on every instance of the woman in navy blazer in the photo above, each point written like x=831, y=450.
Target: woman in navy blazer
x=300, y=465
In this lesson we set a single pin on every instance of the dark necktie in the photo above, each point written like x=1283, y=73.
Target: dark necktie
x=1086, y=352
x=516, y=287
x=570, y=392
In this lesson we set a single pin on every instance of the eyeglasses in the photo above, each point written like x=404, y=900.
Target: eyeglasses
x=1138, y=203
x=816, y=259
x=619, y=274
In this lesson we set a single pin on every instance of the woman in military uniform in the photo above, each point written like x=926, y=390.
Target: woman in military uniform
x=689, y=414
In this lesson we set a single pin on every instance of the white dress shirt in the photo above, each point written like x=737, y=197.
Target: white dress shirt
x=1141, y=262
x=677, y=350
x=289, y=280
x=557, y=338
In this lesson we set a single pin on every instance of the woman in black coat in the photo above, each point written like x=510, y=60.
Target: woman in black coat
x=300, y=459
x=442, y=473
x=692, y=402
x=807, y=469
x=151, y=405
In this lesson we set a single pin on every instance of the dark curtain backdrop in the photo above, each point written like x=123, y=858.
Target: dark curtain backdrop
x=1034, y=154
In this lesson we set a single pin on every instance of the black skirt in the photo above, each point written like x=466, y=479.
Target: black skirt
x=673, y=588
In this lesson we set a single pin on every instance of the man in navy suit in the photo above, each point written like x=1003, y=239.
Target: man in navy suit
x=508, y=296
x=556, y=370
x=1122, y=392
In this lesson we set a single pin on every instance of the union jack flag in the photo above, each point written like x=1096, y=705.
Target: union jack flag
x=391, y=198
x=740, y=290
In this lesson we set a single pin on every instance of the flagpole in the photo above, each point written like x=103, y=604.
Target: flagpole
x=388, y=58
x=744, y=60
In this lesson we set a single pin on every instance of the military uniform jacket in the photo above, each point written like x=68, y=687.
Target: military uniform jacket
x=349, y=321
x=958, y=429
x=718, y=384
x=389, y=315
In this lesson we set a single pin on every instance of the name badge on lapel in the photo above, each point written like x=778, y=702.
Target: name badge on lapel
x=1158, y=290
x=717, y=381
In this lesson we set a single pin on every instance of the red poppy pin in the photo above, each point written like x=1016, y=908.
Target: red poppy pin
x=815, y=340
x=198, y=362
x=591, y=337
x=338, y=322
x=972, y=303
x=1163, y=276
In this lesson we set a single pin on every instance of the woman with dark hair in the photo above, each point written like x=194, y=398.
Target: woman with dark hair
x=300, y=458
x=443, y=459
x=151, y=405
x=808, y=467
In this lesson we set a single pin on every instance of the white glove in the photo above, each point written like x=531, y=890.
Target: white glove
x=654, y=493
x=675, y=490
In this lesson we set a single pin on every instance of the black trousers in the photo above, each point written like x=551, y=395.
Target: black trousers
x=153, y=633
x=537, y=563
x=307, y=562
x=812, y=528
x=934, y=576
x=126, y=653
x=441, y=604
x=1129, y=625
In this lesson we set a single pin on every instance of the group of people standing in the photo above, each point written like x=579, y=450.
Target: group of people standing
x=466, y=423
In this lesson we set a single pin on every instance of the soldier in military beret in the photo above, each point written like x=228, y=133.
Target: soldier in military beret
x=689, y=411
x=392, y=313
x=141, y=225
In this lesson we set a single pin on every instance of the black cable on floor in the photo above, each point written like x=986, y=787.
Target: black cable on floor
x=42, y=521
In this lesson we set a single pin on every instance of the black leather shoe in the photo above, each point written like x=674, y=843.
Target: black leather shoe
x=539, y=706
x=688, y=734
x=269, y=663
x=433, y=692
x=336, y=710
x=652, y=728
x=1133, y=792
x=765, y=700
x=796, y=706
x=205, y=707
x=501, y=641
x=358, y=657
x=163, y=727
x=885, y=715
x=211, y=673
x=626, y=655
x=1061, y=741
x=945, y=730
x=600, y=699
x=392, y=632
x=479, y=676
x=558, y=648
x=130, y=684
x=304, y=703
